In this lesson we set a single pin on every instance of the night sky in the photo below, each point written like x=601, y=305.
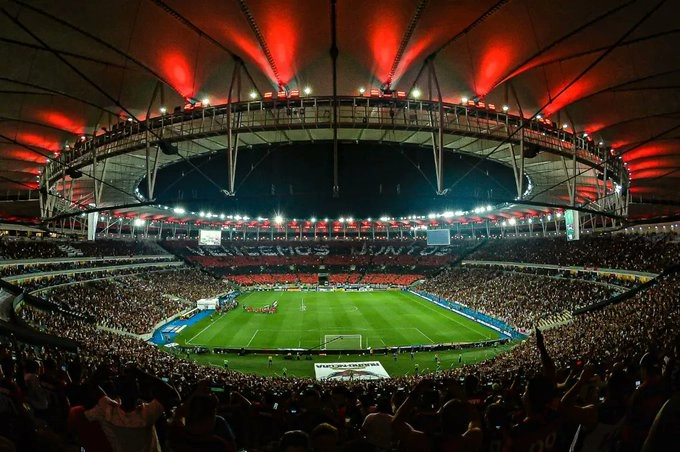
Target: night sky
x=296, y=180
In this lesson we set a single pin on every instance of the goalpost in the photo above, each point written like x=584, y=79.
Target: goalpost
x=342, y=342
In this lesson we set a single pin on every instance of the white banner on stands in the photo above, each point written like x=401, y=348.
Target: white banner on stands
x=206, y=303
x=92, y=219
x=370, y=370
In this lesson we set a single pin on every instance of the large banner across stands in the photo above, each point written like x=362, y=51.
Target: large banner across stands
x=371, y=370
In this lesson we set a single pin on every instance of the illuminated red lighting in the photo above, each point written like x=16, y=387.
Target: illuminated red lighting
x=23, y=155
x=497, y=57
x=575, y=92
x=61, y=121
x=40, y=141
x=177, y=70
x=384, y=41
x=651, y=173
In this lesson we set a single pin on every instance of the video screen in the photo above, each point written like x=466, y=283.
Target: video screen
x=210, y=238
x=439, y=237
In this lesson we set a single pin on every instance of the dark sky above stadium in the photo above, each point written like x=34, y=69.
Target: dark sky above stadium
x=296, y=180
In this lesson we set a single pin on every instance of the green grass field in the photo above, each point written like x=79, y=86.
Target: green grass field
x=403, y=365
x=306, y=319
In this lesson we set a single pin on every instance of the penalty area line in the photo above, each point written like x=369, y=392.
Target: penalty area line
x=424, y=335
x=251, y=339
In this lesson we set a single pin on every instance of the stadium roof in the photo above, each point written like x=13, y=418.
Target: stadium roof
x=608, y=69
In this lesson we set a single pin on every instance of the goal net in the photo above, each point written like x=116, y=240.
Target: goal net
x=341, y=342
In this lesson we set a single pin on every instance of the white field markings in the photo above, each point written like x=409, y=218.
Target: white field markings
x=424, y=335
x=200, y=332
x=341, y=331
x=243, y=297
x=427, y=304
x=211, y=323
x=251, y=339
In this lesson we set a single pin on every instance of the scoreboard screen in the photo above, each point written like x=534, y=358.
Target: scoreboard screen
x=571, y=219
x=209, y=237
x=439, y=237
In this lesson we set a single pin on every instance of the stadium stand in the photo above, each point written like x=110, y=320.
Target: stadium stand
x=647, y=252
x=240, y=262
x=386, y=279
x=571, y=376
x=519, y=299
x=135, y=303
x=21, y=248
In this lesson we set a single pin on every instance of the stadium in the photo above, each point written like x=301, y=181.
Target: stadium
x=336, y=225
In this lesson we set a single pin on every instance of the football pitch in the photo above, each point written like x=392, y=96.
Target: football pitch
x=340, y=320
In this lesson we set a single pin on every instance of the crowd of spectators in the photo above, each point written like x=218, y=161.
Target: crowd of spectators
x=38, y=282
x=597, y=383
x=649, y=252
x=547, y=388
x=78, y=264
x=276, y=279
x=517, y=298
x=136, y=303
x=24, y=248
x=28, y=249
x=239, y=257
x=109, y=247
